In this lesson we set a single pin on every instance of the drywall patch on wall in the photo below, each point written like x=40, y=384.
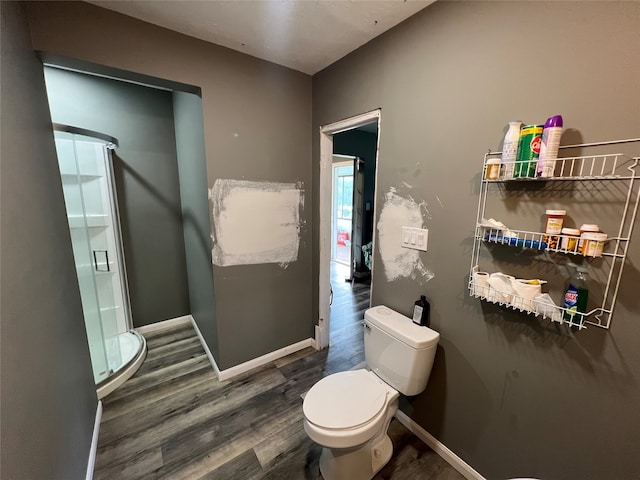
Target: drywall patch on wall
x=255, y=222
x=400, y=262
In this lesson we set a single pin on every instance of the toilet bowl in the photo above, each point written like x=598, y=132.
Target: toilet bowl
x=347, y=409
x=348, y=413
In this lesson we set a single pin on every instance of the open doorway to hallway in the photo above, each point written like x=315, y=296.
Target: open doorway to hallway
x=342, y=214
x=354, y=159
x=348, y=160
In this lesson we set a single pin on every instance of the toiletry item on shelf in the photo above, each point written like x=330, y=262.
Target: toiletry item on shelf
x=528, y=151
x=553, y=228
x=576, y=297
x=507, y=237
x=480, y=286
x=510, y=149
x=549, y=146
x=570, y=238
x=544, y=305
x=492, y=171
x=500, y=289
x=421, y=312
x=492, y=224
x=586, y=228
x=525, y=292
x=593, y=244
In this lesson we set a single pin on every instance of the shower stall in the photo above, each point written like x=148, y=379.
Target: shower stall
x=86, y=170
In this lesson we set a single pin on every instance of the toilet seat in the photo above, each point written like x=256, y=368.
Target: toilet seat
x=354, y=406
x=345, y=400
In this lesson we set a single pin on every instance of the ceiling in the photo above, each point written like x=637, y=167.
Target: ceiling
x=305, y=35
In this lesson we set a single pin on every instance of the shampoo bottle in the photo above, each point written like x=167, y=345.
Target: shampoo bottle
x=549, y=146
x=510, y=148
x=421, y=312
x=576, y=297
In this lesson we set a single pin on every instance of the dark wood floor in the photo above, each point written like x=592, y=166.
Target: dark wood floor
x=175, y=420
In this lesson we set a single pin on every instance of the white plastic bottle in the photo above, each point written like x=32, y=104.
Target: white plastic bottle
x=510, y=148
x=549, y=146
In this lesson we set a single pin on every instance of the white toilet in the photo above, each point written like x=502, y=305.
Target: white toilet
x=348, y=413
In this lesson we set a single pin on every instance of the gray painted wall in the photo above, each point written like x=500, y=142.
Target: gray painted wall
x=508, y=394
x=146, y=173
x=187, y=110
x=48, y=396
x=257, y=126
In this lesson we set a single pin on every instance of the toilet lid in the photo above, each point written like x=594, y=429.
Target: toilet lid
x=345, y=400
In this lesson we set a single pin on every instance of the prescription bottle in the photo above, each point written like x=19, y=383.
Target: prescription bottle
x=586, y=228
x=553, y=228
x=593, y=244
x=554, y=221
x=570, y=238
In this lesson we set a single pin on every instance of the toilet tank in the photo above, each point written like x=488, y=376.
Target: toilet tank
x=400, y=352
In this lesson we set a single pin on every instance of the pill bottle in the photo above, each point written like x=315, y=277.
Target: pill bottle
x=570, y=238
x=593, y=244
x=552, y=228
x=493, y=168
x=586, y=228
x=554, y=221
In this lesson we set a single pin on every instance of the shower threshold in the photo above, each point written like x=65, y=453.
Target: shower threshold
x=133, y=347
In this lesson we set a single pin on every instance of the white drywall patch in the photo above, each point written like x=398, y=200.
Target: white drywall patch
x=255, y=222
x=399, y=262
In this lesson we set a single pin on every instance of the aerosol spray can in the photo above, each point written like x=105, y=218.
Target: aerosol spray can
x=549, y=146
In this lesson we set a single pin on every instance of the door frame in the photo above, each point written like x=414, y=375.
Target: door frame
x=326, y=182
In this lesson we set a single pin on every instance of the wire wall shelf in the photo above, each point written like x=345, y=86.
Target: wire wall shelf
x=546, y=242
x=615, y=166
x=596, y=168
x=536, y=307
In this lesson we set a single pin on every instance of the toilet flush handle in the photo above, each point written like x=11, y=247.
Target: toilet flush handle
x=364, y=324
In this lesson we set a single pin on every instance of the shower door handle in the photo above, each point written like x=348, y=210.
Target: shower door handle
x=101, y=267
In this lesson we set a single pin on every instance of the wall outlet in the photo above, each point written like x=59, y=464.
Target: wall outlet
x=415, y=238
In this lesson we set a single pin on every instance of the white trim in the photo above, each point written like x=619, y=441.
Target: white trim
x=264, y=359
x=164, y=325
x=451, y=458
x=324, y=286
x=206, y=347
x=326, y=160
x=94, y=442
x=229, y=373
x=351, y=122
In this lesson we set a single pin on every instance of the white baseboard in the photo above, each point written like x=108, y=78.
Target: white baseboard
x=94, y=442
x=264, y=359
x=205, y=346
x=164, y=325
x=451, y=458
x=229, y=373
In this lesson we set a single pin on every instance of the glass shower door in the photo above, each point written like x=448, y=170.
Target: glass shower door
x=72, y=183
x=86, y=178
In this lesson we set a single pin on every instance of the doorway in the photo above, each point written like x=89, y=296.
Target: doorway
x=342, y=209
x=361, y=212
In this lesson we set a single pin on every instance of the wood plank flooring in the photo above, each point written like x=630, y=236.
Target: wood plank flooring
x=175, y=420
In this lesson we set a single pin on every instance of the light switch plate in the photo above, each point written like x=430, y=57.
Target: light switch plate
x=415, y=238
